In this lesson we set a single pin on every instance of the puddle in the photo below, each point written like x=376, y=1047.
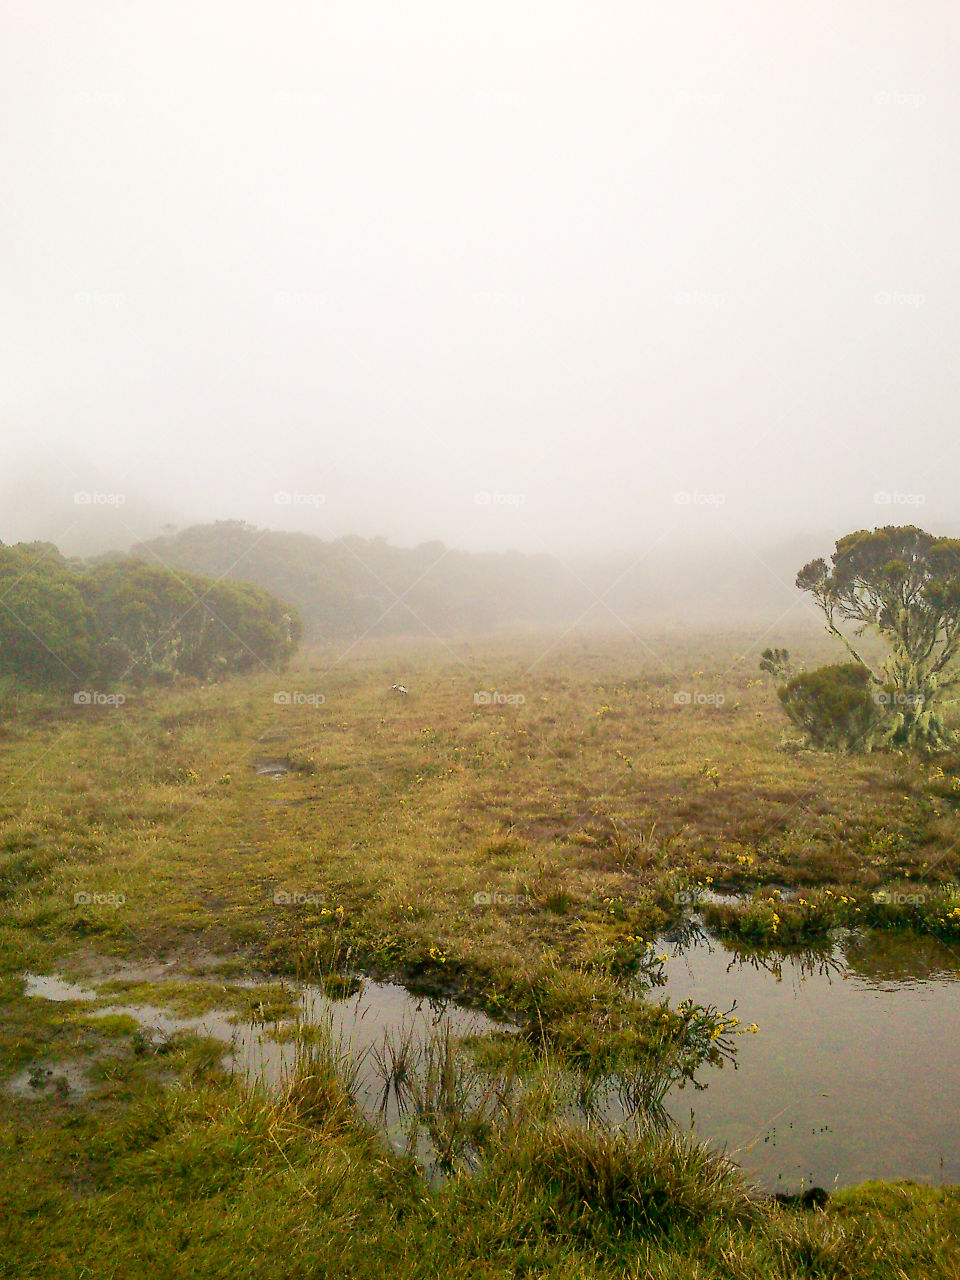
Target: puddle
x=50, y=1080
x=277, y=768
x=733, y=898
x=357, y=1026
x=854, y=1073
x=53, y=988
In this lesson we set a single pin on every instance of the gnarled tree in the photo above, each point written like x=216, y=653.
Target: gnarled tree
x=904, y=585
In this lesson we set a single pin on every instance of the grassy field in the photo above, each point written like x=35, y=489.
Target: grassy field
x=520, y=850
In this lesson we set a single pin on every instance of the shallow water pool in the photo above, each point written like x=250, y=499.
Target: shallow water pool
x=854, y=1073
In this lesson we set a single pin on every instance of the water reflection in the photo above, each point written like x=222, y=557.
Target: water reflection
x=853, y=1073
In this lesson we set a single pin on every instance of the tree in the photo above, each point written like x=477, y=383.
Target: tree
x=152, y=621
x=63, y=623
x=902, y=584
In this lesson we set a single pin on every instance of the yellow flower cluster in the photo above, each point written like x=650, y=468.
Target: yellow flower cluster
x=732, y=1024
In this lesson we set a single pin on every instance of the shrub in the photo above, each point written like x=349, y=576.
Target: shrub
x=836, y=707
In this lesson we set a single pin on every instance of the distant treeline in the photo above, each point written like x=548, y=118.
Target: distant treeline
x=364, y=586
x=225, y=597
x=359, y=586
x=64, y=621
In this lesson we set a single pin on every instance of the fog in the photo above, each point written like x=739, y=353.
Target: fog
x=595, y=280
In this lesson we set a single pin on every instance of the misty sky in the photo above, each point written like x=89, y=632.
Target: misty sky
x=578, y=259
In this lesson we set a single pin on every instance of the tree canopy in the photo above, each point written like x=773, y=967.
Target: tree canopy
x=903, y=584
x=65, y=622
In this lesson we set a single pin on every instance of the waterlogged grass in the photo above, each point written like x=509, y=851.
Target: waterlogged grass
x=263, y=1002
x=768, y=918
x=212, y=1181
x=522, y=854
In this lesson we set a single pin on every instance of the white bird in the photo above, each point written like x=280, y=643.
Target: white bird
x=399, y=688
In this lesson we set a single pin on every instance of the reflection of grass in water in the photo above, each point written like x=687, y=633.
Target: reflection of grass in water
x=816, y=915
x=545, y=1131
x=902, y=956
x=442, y=1092
x=805, y=962
x=881, y=954
x=462, y=1096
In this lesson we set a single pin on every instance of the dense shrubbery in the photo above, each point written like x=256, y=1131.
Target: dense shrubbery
x=837, y=707
x=63, y=622
x=46, y=626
